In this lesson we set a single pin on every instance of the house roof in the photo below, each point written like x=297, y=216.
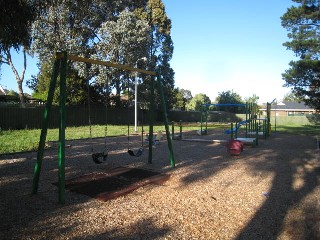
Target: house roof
x=289, y=106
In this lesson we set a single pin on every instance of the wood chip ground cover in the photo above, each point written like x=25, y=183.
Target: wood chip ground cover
x=268, y=192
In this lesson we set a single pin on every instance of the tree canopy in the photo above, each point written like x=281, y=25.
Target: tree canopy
x=197, y=101
x=303, y=76
x=229, y=97
x=182, y=98
x=253, y=99
x=118, y=31
x=291, y=97
x=16, y=17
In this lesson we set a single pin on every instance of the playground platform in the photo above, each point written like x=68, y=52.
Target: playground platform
x=252, y=141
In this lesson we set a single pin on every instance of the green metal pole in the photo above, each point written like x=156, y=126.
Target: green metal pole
x=236, y=132
x=44, y=129
x=264, y=129
x=268, y=121
x=151, y=119
x=231, y=134
x=246, y=110
x=180, y=123
x=164, y=108
x=61, y=155
x=172, y=130
x=201, y=112
x=206, y=122
x=257, y=134
x=250, y=117
x=253, y=127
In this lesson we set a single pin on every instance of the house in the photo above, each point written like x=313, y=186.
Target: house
x=289, y=109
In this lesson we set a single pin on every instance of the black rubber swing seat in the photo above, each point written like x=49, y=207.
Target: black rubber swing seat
x=99, y=157
x=137, y=154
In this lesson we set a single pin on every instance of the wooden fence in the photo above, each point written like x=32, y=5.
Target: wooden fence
x=31, y=117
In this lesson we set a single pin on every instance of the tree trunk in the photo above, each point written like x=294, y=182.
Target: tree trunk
x=18, y=78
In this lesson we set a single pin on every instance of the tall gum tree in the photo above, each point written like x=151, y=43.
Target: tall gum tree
x=106, y=30
x=7, y=59
x=16, y=17
x=302, y=21
x=160, y=49
x=124, y=41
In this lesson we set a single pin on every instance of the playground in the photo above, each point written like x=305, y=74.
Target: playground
x=270, y=191
x=165, y=189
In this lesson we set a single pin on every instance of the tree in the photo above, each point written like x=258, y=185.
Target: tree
x=182, y=98
x=79, y=30
x=121, y=31
x=253, y=99
x=229, y=97
x=187, y=95
x=179, y=102
x=16, y=17
x=291, y=97
x=6, y=58
x=303, y=76
x=160, y=48
x=12, y=93
x=197, y=101
x=77, y=88
x=124, y=41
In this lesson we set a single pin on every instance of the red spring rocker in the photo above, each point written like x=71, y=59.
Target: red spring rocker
x=234, y=147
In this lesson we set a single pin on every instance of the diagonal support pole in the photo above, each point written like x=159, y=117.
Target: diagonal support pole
x=151, y=120
x=164, y=109
x=44, y=129
x=62, y=127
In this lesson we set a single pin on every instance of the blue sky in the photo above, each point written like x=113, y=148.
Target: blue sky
x=219, y=46
x=230, y=45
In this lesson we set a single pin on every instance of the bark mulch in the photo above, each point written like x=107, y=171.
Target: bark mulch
x=267, y=192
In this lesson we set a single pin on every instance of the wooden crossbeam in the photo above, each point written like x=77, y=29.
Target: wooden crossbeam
x=108, y=64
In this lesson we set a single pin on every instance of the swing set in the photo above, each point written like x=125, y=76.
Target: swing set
x=60, y=68
x=98, y=157
x=101, y=157
x=140, y=151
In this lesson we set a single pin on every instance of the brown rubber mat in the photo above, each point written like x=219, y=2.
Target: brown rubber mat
x=114, y=183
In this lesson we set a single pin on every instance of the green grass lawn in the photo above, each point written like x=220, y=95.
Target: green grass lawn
x=27, y=140
x=313, y=130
